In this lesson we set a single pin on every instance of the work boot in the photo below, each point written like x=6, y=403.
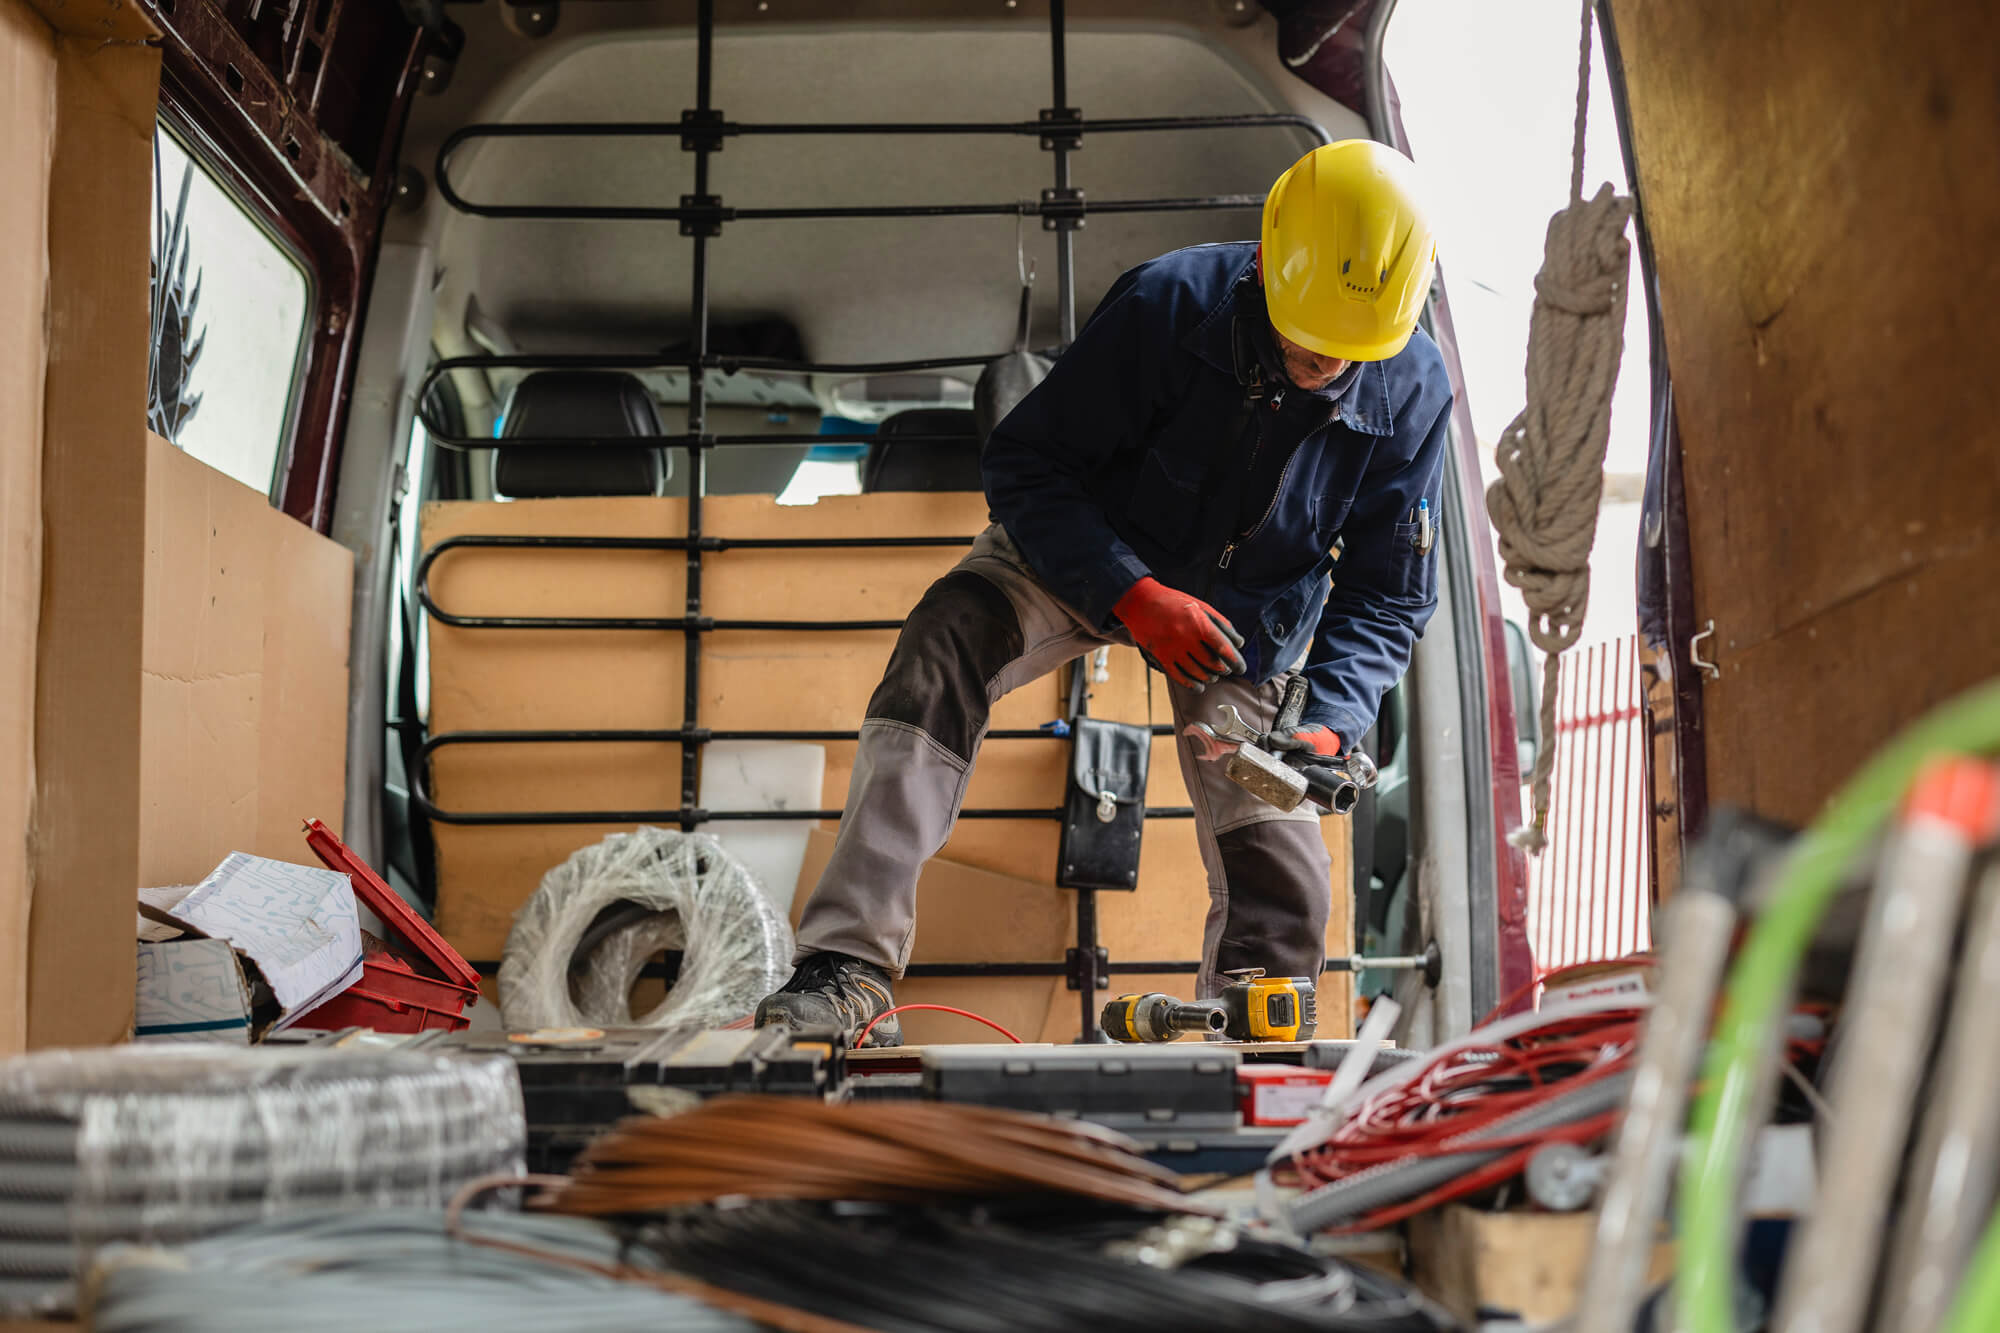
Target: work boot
x=835, y=990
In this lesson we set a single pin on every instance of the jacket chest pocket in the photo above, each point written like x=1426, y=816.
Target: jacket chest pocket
x=1328, y=513
x=1163, y=507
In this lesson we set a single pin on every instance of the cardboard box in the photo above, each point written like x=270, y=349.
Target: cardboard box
x=191, y=989
x=252, y=925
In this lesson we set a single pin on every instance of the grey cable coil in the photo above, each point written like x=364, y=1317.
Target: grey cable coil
x=386, y=1272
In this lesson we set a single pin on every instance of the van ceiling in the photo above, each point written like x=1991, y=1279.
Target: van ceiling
x=856, y=289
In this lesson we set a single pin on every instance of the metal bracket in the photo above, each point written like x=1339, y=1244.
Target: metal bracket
x=1065, y=127
x=1073, y=962
x=1062, y=210
x=701, y=131
x=709, y=215
x=1707, y=668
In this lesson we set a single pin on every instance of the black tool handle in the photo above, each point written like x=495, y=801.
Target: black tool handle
x=1293, y=706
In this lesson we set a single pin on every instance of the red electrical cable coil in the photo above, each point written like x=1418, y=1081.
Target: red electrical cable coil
x=1464, y=1096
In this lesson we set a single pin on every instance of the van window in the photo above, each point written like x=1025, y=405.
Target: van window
x=229, y=322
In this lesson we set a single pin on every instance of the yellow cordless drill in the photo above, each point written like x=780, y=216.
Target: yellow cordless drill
x=1262, y=1008
x=1253, y=1007
x=1160, y=1017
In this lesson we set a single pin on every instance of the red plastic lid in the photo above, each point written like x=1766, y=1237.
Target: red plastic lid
x=386, y=903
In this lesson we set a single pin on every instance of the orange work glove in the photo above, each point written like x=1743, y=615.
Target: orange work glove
x=1183, y=636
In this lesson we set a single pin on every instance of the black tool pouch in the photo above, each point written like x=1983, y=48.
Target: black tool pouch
x=1104, y=815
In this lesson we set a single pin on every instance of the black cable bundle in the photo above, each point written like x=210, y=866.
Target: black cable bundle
x=933, y=1271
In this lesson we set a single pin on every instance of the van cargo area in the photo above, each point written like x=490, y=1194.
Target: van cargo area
x=889, y=666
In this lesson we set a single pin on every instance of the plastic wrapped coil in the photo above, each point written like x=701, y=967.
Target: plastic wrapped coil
x=159, y=1143
x=579, y=944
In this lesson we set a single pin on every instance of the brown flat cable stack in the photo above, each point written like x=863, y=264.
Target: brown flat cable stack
x=783, y=1148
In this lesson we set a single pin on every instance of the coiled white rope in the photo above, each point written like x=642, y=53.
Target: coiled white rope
x=1551, y=457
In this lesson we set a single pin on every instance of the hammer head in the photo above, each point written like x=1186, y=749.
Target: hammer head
x=1267, y=777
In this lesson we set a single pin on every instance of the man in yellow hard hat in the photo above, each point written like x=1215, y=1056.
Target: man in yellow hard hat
x=1229, y=418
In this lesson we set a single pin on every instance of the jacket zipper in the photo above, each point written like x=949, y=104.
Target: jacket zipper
x=1229, y=548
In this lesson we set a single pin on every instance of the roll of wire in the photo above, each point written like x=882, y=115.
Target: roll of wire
x=387, y=1270
x=930, y=1270
x=887, y=1152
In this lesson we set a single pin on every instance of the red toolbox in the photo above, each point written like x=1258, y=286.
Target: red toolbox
x=397, y=992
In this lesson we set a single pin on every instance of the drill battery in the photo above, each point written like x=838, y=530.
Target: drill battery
x=1261, y=1008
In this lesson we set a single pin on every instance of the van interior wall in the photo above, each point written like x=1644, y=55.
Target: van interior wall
x=547, y=679
x=244, y=698
x=91, y=339
x=1818, y=182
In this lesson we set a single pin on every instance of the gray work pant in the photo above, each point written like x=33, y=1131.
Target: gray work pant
x=984, y=629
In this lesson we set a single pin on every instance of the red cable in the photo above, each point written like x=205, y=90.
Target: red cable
x=862, y=1037
x=1466, y=1095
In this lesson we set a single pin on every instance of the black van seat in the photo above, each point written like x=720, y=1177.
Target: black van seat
x=581, y=405
x=925, y=467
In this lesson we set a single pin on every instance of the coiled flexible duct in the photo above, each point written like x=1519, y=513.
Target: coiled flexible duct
x=687, y=892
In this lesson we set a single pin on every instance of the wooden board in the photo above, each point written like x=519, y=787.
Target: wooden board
x=1527, y=1264
x=27, y=125
x=243, y=707
x=1829, y=290
x=93, y=542
x=631, y=679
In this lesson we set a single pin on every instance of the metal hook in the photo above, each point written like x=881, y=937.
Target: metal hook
x=1709, y=669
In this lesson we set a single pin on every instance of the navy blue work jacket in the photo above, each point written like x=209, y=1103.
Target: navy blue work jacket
x=1130, y=459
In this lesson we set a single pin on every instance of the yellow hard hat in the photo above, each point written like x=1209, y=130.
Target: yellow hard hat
x=1348, y=251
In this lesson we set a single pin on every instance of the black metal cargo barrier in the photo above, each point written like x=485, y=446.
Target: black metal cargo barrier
x=700, y=216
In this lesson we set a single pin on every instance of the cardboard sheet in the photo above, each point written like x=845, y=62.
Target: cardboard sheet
x=27, y=125
x=93, y=543
x=244, y=704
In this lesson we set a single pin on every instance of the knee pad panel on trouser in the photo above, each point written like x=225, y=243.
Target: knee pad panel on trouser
x=1280, y=894
x=959, y=637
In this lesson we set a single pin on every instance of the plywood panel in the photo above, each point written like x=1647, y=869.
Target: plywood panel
x=244, y=696
x=538, y=679
x=27, y=126
x=93, y=511
x=1829, y=267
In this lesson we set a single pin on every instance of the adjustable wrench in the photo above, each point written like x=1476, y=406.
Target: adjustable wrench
x=1285, y=779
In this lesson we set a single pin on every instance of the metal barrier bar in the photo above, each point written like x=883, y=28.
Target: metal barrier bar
x=697, y=416
x=696, y=736
x=1061, y=131
x=731, y=129
x=691, y=815
x=705, y=215
x=694, y=545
